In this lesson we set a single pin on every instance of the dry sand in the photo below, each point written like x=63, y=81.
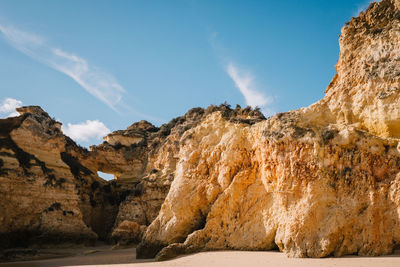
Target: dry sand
x=104, y=256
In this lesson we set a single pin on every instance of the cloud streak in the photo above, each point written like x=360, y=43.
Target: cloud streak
x=8, y=106
x=98, y=83
x=85, y=131
x=244, y=81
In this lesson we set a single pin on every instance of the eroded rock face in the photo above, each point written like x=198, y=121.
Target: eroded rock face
x=365, y=89
x=37, y=187
x=143, y=158
x=319, y=181
x=51, y=193
x=128, y=232
x=48, y=195
x=310, y=191
x=323, y=180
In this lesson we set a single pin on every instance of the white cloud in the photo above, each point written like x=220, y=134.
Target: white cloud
x=244, y=81
x=101, y=85
x=8, y=107
x=86, y=130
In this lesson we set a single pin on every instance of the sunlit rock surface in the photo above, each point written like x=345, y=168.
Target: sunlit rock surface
x=319, y=181
x=144, y=159
x=315, y=182
x=51, y=193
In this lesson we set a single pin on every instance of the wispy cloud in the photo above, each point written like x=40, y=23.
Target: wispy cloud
x=244, y=81
x=98, y=83
x=8, y=106
x=85, y=131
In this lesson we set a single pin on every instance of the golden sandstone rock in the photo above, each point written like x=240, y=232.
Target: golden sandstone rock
x=315, y=182
x=147, y=166
x=51, y=193
x=47, y=195
x=128, y=232
x=319, y=181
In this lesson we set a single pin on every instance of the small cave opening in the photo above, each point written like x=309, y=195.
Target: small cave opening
x=105, y=176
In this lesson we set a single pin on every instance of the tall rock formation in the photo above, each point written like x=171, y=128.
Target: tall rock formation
x=51, y=193
x=364, y=92
x=319, y=181
x=143, y=158
x=47, y=196
x=315, y=182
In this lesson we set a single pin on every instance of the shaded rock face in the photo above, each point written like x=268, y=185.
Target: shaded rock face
x=128, y=232
x=47, y=195
x=25, y=177
x=316, y=182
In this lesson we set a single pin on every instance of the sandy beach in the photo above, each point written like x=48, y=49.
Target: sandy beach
x=104, y=256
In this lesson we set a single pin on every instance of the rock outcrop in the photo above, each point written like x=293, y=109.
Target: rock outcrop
x=45, y=192
x=143, y=158
x=128, y=233
x=51, y=193
x=364, y=92
x=315, y=182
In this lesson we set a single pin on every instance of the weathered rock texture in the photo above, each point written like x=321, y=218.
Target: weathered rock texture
x=144, y=158
x=319, y=181
x=47, y=195
x=51, y=193
x=365, y=89
x=128, y=232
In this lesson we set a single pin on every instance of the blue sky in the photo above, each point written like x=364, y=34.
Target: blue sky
x=99, y=66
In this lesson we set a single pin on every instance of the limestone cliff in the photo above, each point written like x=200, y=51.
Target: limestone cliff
x=364, y=92
x=47, y=195
x=143, y=158
x=319, y=181
x=51, y=193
